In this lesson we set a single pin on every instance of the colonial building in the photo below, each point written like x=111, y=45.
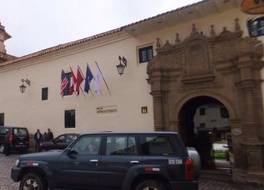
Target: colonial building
x=203, y=55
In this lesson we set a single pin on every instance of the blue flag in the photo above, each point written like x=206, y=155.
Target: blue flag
x=89, y=77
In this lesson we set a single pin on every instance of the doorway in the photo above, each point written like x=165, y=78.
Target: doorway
x=204, y=125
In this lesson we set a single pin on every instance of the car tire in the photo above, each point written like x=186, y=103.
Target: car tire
x=150, y=185
x=6, y=150
x=33, y=181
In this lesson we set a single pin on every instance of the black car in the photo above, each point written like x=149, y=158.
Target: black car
x=127, y=161
x=60, y=142
x=13, y=138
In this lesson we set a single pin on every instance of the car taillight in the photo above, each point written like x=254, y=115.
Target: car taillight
x=188, y=169
x=10, y=138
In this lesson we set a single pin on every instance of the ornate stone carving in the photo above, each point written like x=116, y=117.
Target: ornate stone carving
x=177, y=40
x=212, y=31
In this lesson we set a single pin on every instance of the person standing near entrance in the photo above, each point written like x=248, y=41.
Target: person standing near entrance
x=50, y=135
x=37, y=140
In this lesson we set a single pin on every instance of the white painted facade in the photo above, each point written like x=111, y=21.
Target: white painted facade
x=211, y=119
x=129, y=92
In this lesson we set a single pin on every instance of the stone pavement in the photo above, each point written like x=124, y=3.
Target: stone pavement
x=205, y=184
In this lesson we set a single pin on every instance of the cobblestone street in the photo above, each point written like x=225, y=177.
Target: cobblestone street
x=6, y=183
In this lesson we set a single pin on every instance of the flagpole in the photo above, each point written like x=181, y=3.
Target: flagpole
x=103, y=78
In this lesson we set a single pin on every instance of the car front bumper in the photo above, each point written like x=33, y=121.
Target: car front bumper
x=15, y=173
x=184, y=185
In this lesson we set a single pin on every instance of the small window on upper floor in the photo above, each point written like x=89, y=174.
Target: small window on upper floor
x=44, y=94
x=145, y=54
x=202, y=111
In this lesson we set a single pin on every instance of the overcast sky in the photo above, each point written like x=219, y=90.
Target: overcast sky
x=39, y=24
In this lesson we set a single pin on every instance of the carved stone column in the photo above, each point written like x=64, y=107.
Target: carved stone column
x=250, y=114
x=158, y=111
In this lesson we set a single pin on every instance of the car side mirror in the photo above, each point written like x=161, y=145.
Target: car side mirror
x=72, y=153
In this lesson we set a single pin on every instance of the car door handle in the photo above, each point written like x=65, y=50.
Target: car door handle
x=94, y=161
x=134, y=162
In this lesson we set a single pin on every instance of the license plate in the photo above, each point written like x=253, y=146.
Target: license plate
x=175, y=161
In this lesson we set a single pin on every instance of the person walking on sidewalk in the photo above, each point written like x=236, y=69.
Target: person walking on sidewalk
x=37, y=140
x=50, y=135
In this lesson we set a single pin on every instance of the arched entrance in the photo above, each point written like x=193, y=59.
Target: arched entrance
x=225, y=67
x=204, y=124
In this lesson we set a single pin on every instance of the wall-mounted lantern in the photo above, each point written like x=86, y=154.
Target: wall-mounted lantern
x=23, y=86
x=122, y=65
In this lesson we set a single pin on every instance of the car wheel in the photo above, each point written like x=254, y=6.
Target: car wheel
x=150, y=185
x=32, y=181
x=6, y=150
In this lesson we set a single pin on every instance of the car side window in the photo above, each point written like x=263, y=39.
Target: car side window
x=121, y=145
x=88, y=145
x=157, y=145
x=60, y=139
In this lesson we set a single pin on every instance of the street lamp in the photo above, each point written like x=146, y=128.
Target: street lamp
x=23, y=87
x=122, y=65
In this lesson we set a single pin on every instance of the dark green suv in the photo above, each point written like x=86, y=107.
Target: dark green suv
x=128, y=161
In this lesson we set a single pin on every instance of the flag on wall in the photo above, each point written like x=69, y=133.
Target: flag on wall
x=89, y=77
x=64, y=82
x=73, y=82
x=80, y=79
x=98, y=82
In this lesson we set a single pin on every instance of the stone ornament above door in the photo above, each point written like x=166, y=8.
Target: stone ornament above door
x=198, y=57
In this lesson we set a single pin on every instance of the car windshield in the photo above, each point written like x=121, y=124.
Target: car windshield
x=22, y=132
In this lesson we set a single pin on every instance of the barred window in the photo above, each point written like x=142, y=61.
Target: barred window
x=69, y=117
x=145, y=54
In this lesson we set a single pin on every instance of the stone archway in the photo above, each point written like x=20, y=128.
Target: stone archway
x=204, y=123
x=225, y=66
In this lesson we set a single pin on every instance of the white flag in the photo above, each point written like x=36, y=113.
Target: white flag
x=97, y=83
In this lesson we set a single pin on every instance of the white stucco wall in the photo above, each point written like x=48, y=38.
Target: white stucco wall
x=128, y=92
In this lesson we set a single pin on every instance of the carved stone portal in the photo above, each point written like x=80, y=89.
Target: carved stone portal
x=223, y=66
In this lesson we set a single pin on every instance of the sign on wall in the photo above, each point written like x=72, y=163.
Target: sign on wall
x=106, y=109
x=253, y=6
x=256, y=27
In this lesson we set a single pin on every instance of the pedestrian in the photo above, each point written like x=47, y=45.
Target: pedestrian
x=45, y=137
x=37, y=139
x=50, y=135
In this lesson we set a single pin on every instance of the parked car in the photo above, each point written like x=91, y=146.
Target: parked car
x=194, y=155
x=13, y=138
x=60, y=142
x=128, y=161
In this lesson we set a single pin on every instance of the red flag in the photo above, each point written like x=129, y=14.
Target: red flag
x=80, y=79
x=73, y=82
